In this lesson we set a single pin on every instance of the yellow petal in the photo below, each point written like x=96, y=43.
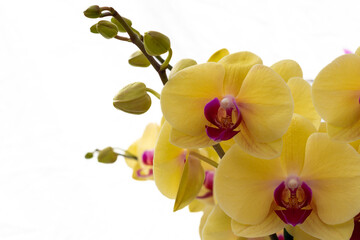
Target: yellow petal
x=345, y=134
x=248, y=144
x=358, y=51
x=322, y=127
x=132, y=150
x=336, y=91
x=218, y=226
x=265, y=103
x=287, y=69
x=184, y=140
x=303, y=105
x=332, y=171
x=244, y=185
x=148, y=139
x=191, y=182
x=218, y=55
x=184, y=96
x=299, y=234
x=196, y=206
x=237, y=65
x=168, y=164
x=207, y=210
x=315, y=227
x=293, y=154
x=271, y=224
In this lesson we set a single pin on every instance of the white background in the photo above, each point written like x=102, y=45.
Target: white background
x=57, y=81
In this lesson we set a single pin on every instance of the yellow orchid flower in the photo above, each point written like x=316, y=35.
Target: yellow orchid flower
x=237, y=97
x=143, y=149
x=312, y=185
x=336, y=97
x=287, y=69
x=180, y=175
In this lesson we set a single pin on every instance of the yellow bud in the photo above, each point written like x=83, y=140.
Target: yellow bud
x=133, y=99
x=138, y=59
x=180, y=65
x=357, y=52
x=118, y=24
x=107, y=155
x=107, y=29
x=93, y=12
x=156, y=43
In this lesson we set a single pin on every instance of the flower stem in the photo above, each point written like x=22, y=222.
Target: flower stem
x=205, y=159
x=219, y=150
x=155, y=93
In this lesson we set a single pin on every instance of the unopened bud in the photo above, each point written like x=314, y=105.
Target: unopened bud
x=118, y=24
x=93, y=29
x=89, y=155
x=107, y=29
x=138, y=59
x=93, y=12
x=107, y=155
x=156, y=43
x=219, y=55
x=180, y=65
x=133, y=99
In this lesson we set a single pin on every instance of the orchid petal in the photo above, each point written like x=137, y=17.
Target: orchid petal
x=345, y=134
x=332, y=171
x=244, y=185
x=218, y=55
x=287, y=69
x=265, y=103
x=184, y=140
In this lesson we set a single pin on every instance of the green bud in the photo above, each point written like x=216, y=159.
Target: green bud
x=156, y=43
x=118, y=24
x=89, y=155
x=107, y=29
x=180, y=65
x=93, y=12
x=93, y=29
x=133, y=99
x=107, y=155
x=138, y=59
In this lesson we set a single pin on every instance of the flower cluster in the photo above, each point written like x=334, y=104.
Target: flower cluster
x=259, y=150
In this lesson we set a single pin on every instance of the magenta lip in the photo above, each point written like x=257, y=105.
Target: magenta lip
x=220, y=133
x=148, y=157
x=293, y=212
x=141, y=175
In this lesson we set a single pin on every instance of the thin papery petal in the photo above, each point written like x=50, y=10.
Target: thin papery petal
x=303, y=105
x=336, y=91
x=191, y=182
x=299, y=234
x=178, y=138
x=184, y=96
x=271, y=224
x=237, y=65
x=287, y=69
x=244, y=185
x=345, y=134
x=332, y=171
x=293, y=154
x=218, y=226
x=218, y=55
x=315, y=227
x=248, y=144
x=168, y=164
x=265, y=103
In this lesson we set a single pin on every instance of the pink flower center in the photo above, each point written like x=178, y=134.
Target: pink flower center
x=293, y=198
x=225, y=115
x=148, y=157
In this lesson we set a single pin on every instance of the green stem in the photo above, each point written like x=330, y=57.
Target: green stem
x=161, y=60
x=166, y=63
x=136, y=40
x=219, y=150
x=205, y=159
x=155, y=93
x=274, y=237
x=123, y=38
x=128, y=156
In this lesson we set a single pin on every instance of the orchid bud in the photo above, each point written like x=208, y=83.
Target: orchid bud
x=93, y=29
x=93, y=12
x=118, y=24
x=107, y=155
x=107, y=29
x=89, y=155
x=156, y=43
x=138, y=59
x=133, y=99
